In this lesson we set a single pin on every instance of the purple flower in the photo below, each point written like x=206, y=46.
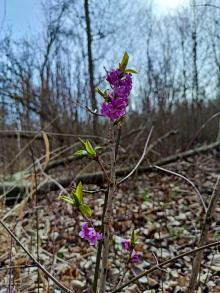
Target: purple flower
x=135, y=257
x=126, y=83
x=113, y=77
x=115, y=109
x=126, y=245
x=85, y=231
x=89, y=234
x=121, y=85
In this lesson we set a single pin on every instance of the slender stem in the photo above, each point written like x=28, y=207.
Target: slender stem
x=36, y=215
x=117, y=142
x=97, y=266
x=99, y=250
x=108, y=219
x=18, y=267
x=164, y=263
x=103, y=169
x=10, y=265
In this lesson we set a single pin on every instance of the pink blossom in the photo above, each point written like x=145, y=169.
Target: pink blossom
x=126, y=245
x=89, y=234
x=135, y=256
x=113, y=77
x=121, y=85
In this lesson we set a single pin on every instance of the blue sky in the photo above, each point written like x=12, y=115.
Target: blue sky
x=23, y=17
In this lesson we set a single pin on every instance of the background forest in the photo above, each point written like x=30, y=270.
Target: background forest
x=51, y=75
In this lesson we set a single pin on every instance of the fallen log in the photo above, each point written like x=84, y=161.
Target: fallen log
x=13, y=190
x=97, y=177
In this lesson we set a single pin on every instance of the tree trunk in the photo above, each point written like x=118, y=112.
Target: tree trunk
x=90, y=65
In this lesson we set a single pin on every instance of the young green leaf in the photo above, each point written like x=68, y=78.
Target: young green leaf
x=100, y=92
x=85, y=210
x=76, y=200
x=79, y=192
x=80, y=153
x=90, y=150
x=124, y=62
x=97, y=148
x=82, y=142
x=130, y=71
x=133, y=238
x=67, y=199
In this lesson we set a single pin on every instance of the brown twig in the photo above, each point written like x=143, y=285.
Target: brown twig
x=164, y=263
x=208, y=5
x=42, y=268
x=35, y=187
x=186, y=179
x=108, y=218
x=103, y=169
x=100, y=244
x=161, y=139
x=77, y=103
x=10, y=265
x=18, y=267
x=31, y=134
x=200, y=129
x=204, y=237
x=140, y=161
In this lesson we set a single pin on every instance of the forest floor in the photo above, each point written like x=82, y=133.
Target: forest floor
x=163, y=209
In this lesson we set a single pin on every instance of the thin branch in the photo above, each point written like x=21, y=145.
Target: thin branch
x=36, y=214
x=162, y=138
x=42, y=268
x=103, y=169
x=77, y=103
x=186, y=179
x=140, y=161
x=157, y=262
x=200, y=129
x=208, y=5
x=117, y=142
x=10, y=265
x=100, y=244
x=108, y=218
x=18, y=267
x=204, y=237
x=164, y=263
x=31, y=133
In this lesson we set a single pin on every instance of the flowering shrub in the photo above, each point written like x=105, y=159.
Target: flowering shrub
x=113, y=107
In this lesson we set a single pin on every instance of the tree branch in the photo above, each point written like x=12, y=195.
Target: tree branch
x=163, y=264
x=42, y=268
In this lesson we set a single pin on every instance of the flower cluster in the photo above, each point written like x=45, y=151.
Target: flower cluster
x=134, y=255
x=89, y=233
x=117, y=101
